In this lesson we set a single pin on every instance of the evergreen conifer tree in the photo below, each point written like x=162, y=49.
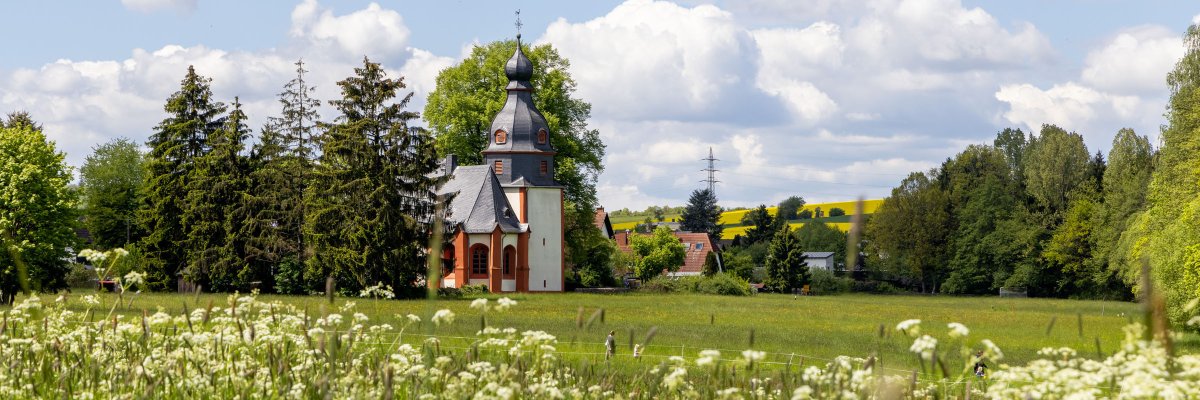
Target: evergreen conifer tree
x=213, y=212
x=702, y=214
x=177, y=142
x=372, y=194
x=786, y=269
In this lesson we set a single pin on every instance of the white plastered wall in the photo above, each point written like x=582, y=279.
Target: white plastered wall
x=545, y=239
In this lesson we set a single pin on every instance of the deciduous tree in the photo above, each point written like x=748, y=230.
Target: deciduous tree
x=655, y=253
x=110, y=181
x=37, y=212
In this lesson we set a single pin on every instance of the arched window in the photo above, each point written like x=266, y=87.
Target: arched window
x=479, y=260
x=498, y=167
x=501, y=136
x=543, y=136
x=510, y=261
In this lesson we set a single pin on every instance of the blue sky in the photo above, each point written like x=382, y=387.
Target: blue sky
x=827, y=99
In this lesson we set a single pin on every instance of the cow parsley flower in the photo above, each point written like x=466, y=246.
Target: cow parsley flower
x=443, y=316
x=480, y=304
x=924, y=345
x=958, y=330
x=911, y=327
x=505, y=303
x=753, y=355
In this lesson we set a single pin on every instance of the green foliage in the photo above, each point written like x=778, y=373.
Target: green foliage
x=786, y=269
x=1130, y=165
x=719, y=284
x=37, y=212
x=826, y=282
x=739, y=261
x=818, y=236
x=711, y=265
x=175, y=146
x=702, y=214
x=1165, y=234
x=804, y=214
x=789, y=207
x=593, y=266
x=762, y=225
x=469, y=95
x=655, y=253
x=213, y=214
x=1055, y=164
x=1069, y=249
x=371, y=197
x=909, y=233
x=983, y=247
x=110, y=181
x=79, y=277
x=474, y=290
x=282, y=163
x=836, y=212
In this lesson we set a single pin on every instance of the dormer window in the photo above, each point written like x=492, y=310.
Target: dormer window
x=501, y=136
x=542, y=136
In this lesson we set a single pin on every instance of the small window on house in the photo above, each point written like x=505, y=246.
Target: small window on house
x=501, y=136
x=545, y=168
x=699, y=246
x=542, y=136
x=499, y=167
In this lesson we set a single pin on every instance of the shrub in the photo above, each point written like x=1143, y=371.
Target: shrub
x=80, y=277
x=718, y=284
x=449, y=293
x=474, y=290
x=826, y=282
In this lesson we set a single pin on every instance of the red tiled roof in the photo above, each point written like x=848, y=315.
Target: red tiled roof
x=698, y=247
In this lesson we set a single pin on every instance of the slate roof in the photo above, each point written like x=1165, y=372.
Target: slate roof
x=818, y=254
x=479, y=204
x=519, y=116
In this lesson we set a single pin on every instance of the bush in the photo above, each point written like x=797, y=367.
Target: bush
x=449, y=293
x=875, y=287
x=474, y=290
x=79, y=277
x=826, y=282
x=718, y=284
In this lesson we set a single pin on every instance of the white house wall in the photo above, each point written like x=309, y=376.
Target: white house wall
x=545, y=239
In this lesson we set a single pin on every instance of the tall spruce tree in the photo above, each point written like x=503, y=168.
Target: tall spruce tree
x=283, y=162
x=213, y=213
x=702, y=214
x=761, y=225
x=372, y=196
x=177, y=142
x=786, y=269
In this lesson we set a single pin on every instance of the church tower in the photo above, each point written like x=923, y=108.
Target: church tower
x=520, y=155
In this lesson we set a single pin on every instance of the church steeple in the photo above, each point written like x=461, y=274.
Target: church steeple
x=519, y=149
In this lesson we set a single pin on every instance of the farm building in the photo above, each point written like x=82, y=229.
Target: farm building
x=820, y=259
x=603, y=223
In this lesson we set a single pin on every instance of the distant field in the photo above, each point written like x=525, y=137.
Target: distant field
x=814, y=328
x=733, y=219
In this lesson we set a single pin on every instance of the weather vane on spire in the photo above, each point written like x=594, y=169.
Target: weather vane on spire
x=518, y=24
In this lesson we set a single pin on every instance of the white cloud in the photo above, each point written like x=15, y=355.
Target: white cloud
x=374, y=32
x=1134, y=61
x=85, y=103
x=650, y=59
x=149, y=6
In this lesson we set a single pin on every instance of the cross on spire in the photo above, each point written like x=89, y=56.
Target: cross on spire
x=518, y=23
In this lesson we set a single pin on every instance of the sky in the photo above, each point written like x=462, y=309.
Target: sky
x=826, y=99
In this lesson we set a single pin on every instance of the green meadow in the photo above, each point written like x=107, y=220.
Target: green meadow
x=796, y=330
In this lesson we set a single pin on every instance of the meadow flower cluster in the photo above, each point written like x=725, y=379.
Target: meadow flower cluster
x=247, y=348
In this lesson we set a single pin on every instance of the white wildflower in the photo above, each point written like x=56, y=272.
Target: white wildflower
x=673, y=379
x=90, y=300
x=753, y=355
x=480, y=304
x=924, y=345
x=958, y=330
x=443, y=316
x=119, y=252
x=910, y=327
x=134, y=278
x=991, y=351
x=505, y=303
